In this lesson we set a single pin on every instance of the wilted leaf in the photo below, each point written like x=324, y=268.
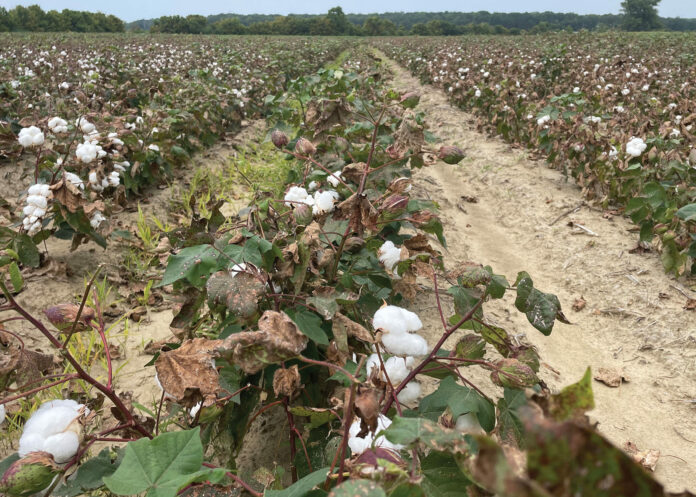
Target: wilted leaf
x=610, y=377
x=277, y=339
x=646, y=458
x=286, y=382
x=188, y=373
x=239, y=292
x=573, y=400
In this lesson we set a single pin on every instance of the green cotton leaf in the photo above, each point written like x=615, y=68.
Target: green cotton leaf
x=541, y=309
x=251, y=252
x=26, y=250
x=162, y=466
x=460, y=400
x=449, y=393
x=89, y=476
x=409, y=431
x=317, y=416
x=465, y=300
x=309, y=324
x=442, y=476
x=357, y=488
x=687, y=213
x=301, y=487
x=434, y=227
x=573, y=400
x=193, y=264
x=510, y=426
x=498, y=284
x=16, y=277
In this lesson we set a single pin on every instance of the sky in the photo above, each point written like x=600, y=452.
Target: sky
x=131, y=10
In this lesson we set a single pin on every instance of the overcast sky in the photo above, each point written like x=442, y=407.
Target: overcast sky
x=130, y=10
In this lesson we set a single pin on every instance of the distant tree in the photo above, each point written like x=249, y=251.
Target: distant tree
x=640, y=15
x=337, y=21
x=229, y=26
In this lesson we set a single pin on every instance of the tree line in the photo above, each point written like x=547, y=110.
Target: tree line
x=337, y=23
x=34, y=18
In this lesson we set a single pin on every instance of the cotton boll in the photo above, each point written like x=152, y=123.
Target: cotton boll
x=334, y=179
x=37, y=201
x=635, y=147
x=324, y=202
x=194, y=410
x=359, y=445
x=153, y=147
x=30, y=137
x=86, y=126
x=29, y=210
x=410, y=392
x=2, y=414
x=86, y=152
x=114, y=179
x=312, y=186
x=295, y=194
x=389, y=255
x=396, y=320
x=63, y=446
x=58, y=125
x=397, y=368
x=468, y=423
x=96, y=219
x=74, y=179
x=405, y=344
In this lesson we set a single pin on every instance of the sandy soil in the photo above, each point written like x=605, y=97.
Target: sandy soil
x=634, y=318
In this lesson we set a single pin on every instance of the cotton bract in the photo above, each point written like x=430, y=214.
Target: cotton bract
x=54, y=428
x=30, y=137
x=359, y=445
x=635, y=147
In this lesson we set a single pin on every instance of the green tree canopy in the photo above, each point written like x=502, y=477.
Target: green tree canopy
x=640, y=15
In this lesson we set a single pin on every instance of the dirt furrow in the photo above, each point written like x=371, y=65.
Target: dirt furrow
x=499, y=208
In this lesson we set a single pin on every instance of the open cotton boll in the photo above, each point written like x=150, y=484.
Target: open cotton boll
x=30, y=137
x=405, y=344
x=635, y=147
x=410, y=392
x=86, y=151
x=53, y=428
x=468, y=423
x=389, y=255
x=58, y=125
x=324, y=201
x=359, y=445
x=39, y=189
x=74, y=179
x=2, y=414
x=334, y=179
x=396, y=319
x=194, y=410
x=295, y=194
x=86, y=126
x=96, y=219
x=397, y=367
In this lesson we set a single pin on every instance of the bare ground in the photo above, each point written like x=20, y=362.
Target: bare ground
x=634, y=318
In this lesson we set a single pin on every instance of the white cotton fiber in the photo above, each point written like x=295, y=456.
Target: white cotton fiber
x=410, y=392
x=396, y=320
x=359, y=445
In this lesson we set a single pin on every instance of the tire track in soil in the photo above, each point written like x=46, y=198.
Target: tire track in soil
x=651, y=337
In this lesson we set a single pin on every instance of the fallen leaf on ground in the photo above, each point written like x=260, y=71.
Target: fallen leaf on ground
x=690, y=305
x=646, y=458
x=579, y=304
x=610, y=377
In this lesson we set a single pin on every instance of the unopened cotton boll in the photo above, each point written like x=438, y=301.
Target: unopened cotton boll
x=359, y=445
x=389, y=255
x=30, y=137
x=396, y=320
x=635, y=147
x=295, y=194
x=410, y=392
